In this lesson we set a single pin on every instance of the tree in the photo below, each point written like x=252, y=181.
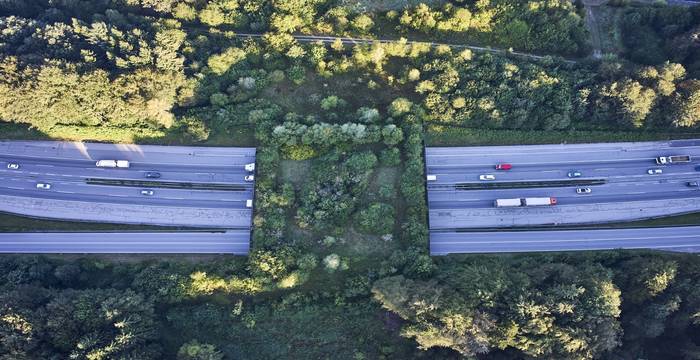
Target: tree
x=392, y=134
x=221, y=63
x=685, y=110
x=399, y=106
x=194, y=350
x=377, y=219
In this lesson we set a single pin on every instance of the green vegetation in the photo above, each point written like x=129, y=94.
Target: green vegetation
x=339, y=266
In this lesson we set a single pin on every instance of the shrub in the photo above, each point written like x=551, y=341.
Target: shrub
x=377, y=219
x=298, y=152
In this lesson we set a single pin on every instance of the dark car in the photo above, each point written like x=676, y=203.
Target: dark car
x=152, y=175
x=693, y=184
x=697, y=168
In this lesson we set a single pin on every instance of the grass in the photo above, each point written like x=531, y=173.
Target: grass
x=440, y=135
x=14, y=223
x=608, y=19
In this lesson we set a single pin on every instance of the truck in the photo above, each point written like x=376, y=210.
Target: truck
x=539, y=201
x=508, y=202
x=431, y=177
x=672, y=159
x=112, y=163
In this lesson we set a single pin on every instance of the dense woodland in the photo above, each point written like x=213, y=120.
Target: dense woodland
x=339, y=266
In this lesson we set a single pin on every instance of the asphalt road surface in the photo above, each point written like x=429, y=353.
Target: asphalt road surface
x=678, y=239
x=66, y=166
x=229, y=242
x=628, y=192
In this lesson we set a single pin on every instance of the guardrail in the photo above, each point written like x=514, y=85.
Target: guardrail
x=166, y=184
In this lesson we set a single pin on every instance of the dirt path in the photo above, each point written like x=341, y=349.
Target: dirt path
x=593, y=27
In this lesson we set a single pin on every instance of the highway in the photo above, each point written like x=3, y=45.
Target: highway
x=229, y=242
x=677, y=239
x=67, y=166
x=627, y=193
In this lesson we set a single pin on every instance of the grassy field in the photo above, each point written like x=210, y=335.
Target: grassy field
x=438, y=135
x=13, y=223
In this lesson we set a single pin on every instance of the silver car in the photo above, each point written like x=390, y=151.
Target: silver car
x=487, y=177
x=147, y=192
x=655, y=171
x=13, y=166
x=43, y=186
x=583, y=190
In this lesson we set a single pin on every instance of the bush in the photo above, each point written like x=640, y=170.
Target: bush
x=298, y=152
x=390, y=157
x=377, y=219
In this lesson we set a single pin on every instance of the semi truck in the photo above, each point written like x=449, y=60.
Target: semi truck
x=539, y=201
x=530, y=201
x=112, y=163
x=508, y=202
x=673, y=159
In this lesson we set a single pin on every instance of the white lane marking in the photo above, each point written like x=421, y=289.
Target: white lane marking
x=586, y=239
x=66, y=192
x=16, y=188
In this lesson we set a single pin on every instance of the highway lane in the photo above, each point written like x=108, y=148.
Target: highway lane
x=127, y=195
x=616, y=172
x=611, y=192
x=462, y=203
x=166, y=155
x=66, y=166
x=628, y=190
x=680, y=239
x=229, y=242
x=87, y=169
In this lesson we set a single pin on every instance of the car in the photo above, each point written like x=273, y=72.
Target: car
x=697, y=168
x=43, y=186
x=693, y=183
x=13, y=166
x=249, y=178
x=655, y=171
x=583, y=190
x=147, y=192
x=574, y=174
x=504, y=166
x=487, y=177
x=152, y=174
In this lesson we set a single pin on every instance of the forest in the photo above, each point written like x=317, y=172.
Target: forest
x=339, y=265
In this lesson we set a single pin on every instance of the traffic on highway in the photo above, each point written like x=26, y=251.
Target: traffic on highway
x=552, y=185
x=135, y=184
x=510, y=186
x=676, y=239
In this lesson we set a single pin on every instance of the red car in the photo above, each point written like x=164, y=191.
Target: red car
x=503, y=166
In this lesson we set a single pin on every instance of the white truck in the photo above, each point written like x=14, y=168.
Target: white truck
x=530, y=201
x=539, y=201
x=249, y=203
x=508, y=203
x=112, y=163
x=673, y=159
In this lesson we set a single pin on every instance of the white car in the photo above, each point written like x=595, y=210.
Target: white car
x=655, y=171
x=13, y=166
x=487, y=177
x=43, y=186
x=147, y=192
x=583, y=190
x=249, y=178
